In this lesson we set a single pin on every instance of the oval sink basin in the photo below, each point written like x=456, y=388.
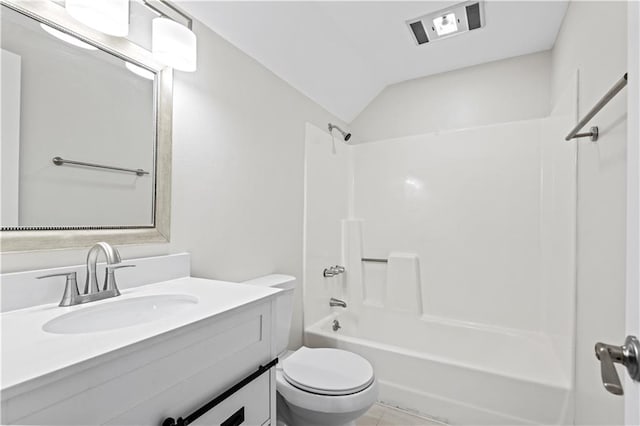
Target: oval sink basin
x=120, y=313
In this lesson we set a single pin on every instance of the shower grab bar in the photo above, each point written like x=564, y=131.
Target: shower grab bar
x=371, y=259
x=593, y=132
x=59, y=161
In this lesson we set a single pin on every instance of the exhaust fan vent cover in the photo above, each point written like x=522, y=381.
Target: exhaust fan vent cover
x=455, y=20
x=419, y=33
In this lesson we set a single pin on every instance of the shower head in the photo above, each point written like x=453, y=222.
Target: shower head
x=344, y=134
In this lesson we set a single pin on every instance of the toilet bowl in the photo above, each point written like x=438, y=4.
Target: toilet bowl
x=322, y=386
x=316, y=386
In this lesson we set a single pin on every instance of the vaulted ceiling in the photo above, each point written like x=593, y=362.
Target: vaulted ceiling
x=343, y=54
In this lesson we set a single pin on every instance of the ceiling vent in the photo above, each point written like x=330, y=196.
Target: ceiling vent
x=449, y=22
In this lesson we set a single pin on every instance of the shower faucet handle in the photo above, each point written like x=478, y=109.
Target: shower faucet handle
x=329, y=272
x=333, y=271
x=626, y=355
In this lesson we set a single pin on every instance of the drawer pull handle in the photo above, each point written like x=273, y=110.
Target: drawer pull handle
x=236, y=419
x=170, y=421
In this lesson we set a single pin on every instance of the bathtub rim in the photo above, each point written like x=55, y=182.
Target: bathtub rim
x=564, y=383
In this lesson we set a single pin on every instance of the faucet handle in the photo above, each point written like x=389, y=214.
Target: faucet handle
x=70, y=288
x=61, y=274
x=329, y=272
x=118, y=266
x=110, y=279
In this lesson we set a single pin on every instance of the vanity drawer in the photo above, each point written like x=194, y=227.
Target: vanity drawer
x=249, y=406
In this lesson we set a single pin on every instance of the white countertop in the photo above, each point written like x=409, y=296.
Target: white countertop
x=29, y=353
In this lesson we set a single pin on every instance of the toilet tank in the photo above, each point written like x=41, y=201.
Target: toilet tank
x=284, y=305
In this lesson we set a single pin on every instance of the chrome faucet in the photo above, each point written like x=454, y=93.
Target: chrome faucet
x=92, y=291
x=333, y=271
x=333, y=302
x=113, y=258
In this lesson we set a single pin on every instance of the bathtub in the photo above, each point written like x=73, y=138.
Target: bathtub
x=454, y=372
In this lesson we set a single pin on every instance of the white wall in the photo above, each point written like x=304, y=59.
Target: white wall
x=496, y=92
x=601, y=58
x=238, y=158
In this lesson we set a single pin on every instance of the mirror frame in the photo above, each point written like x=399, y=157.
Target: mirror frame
x=54, y=15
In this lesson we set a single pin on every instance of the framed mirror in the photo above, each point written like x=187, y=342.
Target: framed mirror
x=86, y=134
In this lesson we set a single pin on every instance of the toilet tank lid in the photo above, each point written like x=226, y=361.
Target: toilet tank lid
x=285, y=282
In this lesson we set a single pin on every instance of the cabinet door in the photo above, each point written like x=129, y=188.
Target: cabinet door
x=249, y=406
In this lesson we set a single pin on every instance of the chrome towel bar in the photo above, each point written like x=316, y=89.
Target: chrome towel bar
x=59, y=161
x=593, y=132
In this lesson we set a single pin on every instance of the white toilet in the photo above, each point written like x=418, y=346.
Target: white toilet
x=316, y=386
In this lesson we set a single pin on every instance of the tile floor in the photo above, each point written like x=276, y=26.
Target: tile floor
x=382, y=415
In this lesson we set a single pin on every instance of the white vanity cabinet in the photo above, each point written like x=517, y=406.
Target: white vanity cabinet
x=168, y=374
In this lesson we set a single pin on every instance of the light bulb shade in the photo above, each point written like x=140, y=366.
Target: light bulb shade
x=67, y=38
x=107, y=16
x=139, y=71
x=173, y=44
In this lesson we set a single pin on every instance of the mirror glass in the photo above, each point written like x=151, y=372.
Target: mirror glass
x=66, y=102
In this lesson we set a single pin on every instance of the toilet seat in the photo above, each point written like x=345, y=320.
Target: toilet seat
x=327, y=371
x=325, y=403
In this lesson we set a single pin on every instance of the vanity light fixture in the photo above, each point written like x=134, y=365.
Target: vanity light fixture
x=107, y=16
x=139, y=71
x=67, y=38
x=173, y=44
x=444, y=23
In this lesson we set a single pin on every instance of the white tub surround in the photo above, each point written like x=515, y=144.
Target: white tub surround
x=140, y=372
x=468, y=314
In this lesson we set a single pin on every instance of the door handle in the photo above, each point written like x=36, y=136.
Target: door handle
x=626, y=355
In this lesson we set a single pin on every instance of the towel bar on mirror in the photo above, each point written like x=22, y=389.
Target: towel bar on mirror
x=59, y=161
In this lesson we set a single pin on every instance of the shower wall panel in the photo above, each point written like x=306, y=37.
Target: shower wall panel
x=469, y=204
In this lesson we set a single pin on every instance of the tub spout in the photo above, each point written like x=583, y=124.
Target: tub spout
x=333, y=302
